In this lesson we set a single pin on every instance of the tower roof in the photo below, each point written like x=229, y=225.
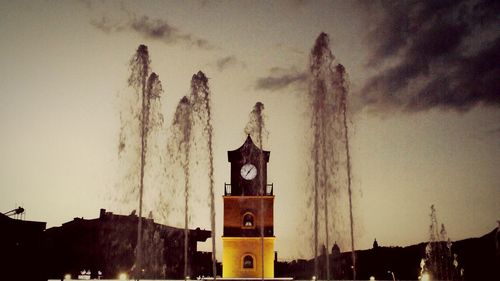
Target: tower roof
x=248, y=148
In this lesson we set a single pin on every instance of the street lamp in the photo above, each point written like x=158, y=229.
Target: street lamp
x=392, y=273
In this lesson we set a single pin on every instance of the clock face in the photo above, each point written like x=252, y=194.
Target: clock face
x=248, y=171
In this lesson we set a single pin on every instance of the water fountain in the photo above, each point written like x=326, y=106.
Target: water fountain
x=192, y=116
x=139, y=118
x=192, y=119
x=329, y=144
x=201, y=106
x=137, y=125
x=181, y=127
x=439, y=262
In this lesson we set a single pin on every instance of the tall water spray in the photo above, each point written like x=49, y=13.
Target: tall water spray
x=256, y=124
x=439, y=262
x=329, y=145
x=181, y=131
x=255, y=128
x=202, y=115
x=342, y=86
x=137, y=122
x=190, y=147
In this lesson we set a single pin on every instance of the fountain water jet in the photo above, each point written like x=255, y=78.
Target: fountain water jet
x=343, y=105
x=256, y=125
x=200, y=100
x=147, y=87
x=191, y=143
x=181, y=126
x=330, y=143
x=439, y=261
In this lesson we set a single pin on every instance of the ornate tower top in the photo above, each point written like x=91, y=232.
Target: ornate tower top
x=249, y=151
x=248, y=170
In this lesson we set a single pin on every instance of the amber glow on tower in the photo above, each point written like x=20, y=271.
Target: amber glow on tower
x=240, y=252
x=248, y=238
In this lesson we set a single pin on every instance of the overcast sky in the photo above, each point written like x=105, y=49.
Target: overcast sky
x=424, y=104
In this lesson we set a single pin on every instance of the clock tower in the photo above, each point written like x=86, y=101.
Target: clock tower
x=248, y=235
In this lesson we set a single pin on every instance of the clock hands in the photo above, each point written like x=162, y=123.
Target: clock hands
x=251, y=168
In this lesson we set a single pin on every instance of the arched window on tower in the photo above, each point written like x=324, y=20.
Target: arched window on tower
x=248, y=221
x=248, y=262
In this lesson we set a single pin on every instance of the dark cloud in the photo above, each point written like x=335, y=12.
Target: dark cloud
x=495, y=131
x=442, y=54
x=281, y=78
x=300, y=3
x=154, y=29
x=229, y=61
x=108, y=26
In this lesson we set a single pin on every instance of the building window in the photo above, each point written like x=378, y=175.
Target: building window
x=248, y=221
x=248, y=262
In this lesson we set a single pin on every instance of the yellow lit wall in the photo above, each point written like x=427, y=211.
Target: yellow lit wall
x=235, y=248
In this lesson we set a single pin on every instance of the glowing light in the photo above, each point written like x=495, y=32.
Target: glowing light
x=67, y=276
x=123, y=276
x=425, y=277
x=372, y=278
x=393, y=277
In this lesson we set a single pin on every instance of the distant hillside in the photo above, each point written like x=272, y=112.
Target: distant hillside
x=478, y=257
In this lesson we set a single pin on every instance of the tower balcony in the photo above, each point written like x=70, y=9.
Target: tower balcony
x=268, y=191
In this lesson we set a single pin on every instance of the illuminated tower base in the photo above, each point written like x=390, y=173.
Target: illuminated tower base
x=237, y=248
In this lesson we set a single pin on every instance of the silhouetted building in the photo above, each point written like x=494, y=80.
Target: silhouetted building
x=335, y=250
x=336, y=262
x=21, y=249
x=108, y=244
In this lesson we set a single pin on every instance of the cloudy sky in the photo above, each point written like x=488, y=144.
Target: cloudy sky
x=424, y=104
